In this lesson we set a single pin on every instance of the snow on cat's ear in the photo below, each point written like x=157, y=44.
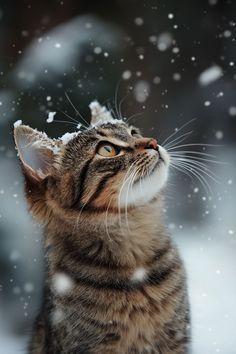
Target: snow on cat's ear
x=99, y=114
x=36, y=152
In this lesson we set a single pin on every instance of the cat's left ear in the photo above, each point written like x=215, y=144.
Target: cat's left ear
x=36, y=152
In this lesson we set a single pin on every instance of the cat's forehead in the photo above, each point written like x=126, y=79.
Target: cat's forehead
x=119, y=131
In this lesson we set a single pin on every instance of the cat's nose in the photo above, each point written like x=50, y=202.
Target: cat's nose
x=152, y=144
x=146, y=143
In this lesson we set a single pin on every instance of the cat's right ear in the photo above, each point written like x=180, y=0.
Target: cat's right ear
x=36, y=152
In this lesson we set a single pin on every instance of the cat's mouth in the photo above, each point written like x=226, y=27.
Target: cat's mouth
x=150, y=180
x=156, y=162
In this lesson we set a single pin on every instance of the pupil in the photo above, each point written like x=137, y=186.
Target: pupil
x=108, y=148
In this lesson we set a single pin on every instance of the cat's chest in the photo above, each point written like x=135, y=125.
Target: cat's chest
x=91, y=334
x=111, y=322
x=114, y=308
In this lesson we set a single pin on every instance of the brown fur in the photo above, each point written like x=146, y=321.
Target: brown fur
x=99, y=247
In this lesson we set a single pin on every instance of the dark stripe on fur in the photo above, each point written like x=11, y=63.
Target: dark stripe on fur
x=155, y=278
x=89, y=255
x=82, y=179
x=101, y=186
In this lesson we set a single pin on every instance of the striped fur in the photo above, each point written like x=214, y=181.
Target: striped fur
x=115, y=283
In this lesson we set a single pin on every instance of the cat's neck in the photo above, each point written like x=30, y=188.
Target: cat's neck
x=128, y=239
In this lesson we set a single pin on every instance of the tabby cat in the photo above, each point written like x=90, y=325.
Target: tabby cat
x=115, y=283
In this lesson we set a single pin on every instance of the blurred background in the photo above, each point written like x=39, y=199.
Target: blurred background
x=161, y=64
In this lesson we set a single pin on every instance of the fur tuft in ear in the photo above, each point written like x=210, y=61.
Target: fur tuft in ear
x=36, y=152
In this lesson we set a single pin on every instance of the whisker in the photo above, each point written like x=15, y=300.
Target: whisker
x=187, y=171
x=116, y=97
x=178, y=130
x=181, y=170
x=76, y=110
x=106, y=220
x=120, y=104
x=126, y=199
x=198, y=175
x=201, y=171
x=141, y=179
x=68, y=116
x=125, y=180
x=196, y=144
x=176, y=140
x=200, y=166
x=133, y=115
x=197, y=158
x=111, y=109
x=64, y=121
x=192, y=152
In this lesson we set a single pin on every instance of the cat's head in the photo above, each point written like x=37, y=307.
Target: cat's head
x=108, y=167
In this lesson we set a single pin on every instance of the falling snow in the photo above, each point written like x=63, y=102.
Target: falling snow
x=176, y=76
x=219, y=135
x=126, y=75
x=164, y=41
x=141, y=91
x=62, y=283
x=138, y=21
x=50, y=118
x=210, y=75
x=57, y=316
x=232, y=111
x=139, y=275
x=97, y=50
x=28, y=287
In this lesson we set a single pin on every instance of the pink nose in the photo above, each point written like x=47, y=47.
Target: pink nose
x=153, y=144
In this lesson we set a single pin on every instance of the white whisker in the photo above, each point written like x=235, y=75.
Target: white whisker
x=76, y=110
x=197, y=174
x=196, y=163
x=197, y=158
x=195, y=167
x=116, y=98
x=120, y=104
x=64, y=121
x=178, y=130
x=127, y=196
x=68, y=116
x=133, y=115
x=181, y=170
x=196, y=144
x=106, y=219
x=125, y=180
x=178, y=140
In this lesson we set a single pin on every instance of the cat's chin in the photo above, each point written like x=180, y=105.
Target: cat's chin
x=148, y=187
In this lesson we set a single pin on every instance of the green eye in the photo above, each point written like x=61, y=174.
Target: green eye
x=107, y=150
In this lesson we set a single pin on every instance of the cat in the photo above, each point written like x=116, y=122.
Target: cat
x=115, y=283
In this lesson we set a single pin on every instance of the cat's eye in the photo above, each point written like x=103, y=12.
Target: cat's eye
x=107, y=150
